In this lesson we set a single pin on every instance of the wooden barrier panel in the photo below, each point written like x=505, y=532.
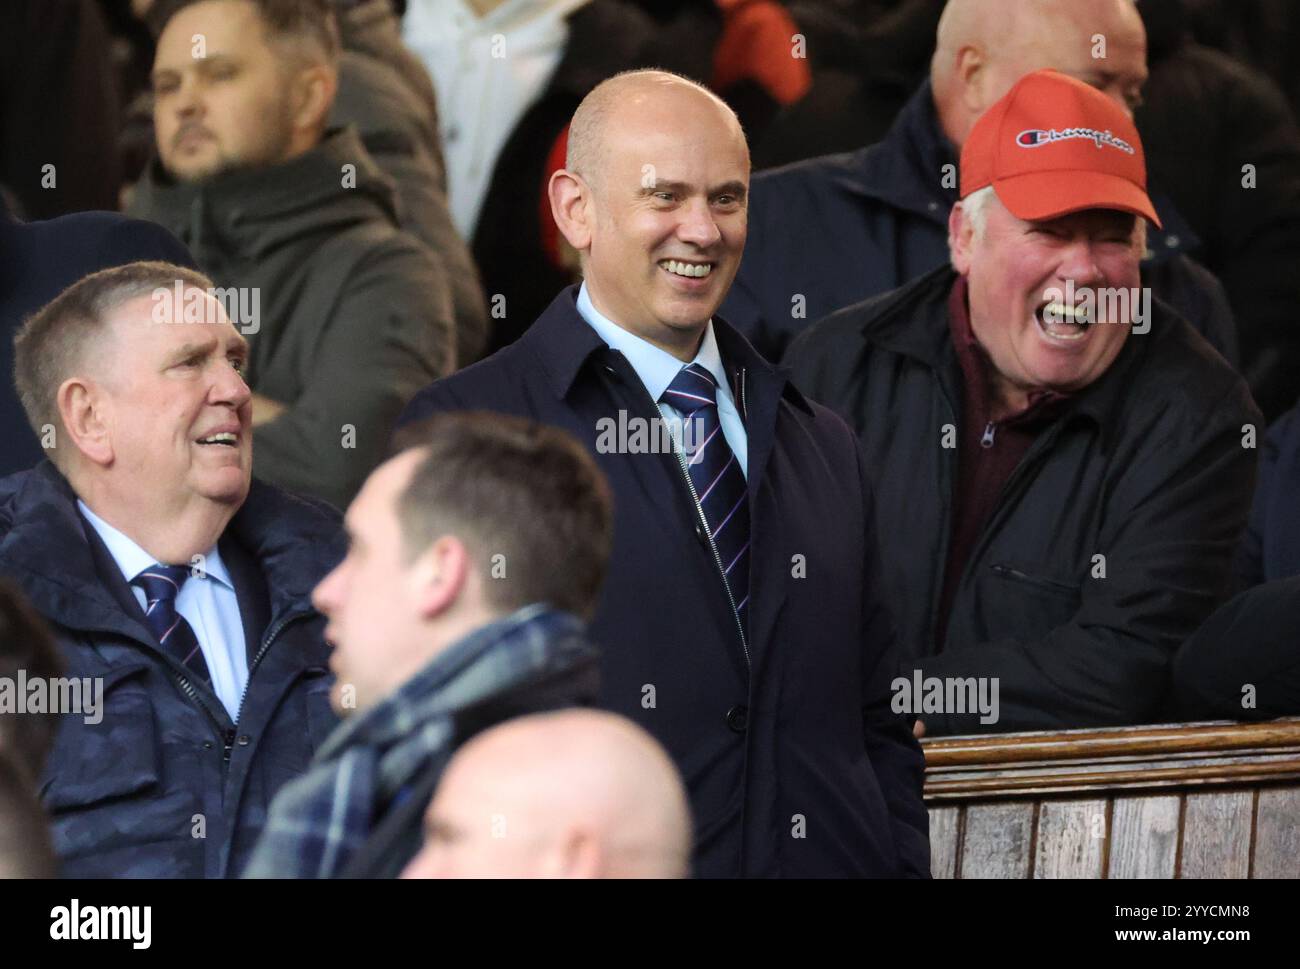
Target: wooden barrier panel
x=1200, y=800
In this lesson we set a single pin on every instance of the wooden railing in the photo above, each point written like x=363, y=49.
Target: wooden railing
x=1201, y=800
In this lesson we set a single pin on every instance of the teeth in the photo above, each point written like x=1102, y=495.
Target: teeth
x=1062, y=322
x=1066, y=312
x=225, y=437
x=692, y=270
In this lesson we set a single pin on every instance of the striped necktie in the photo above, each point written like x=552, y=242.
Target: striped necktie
x=715, y=473
x=161, y=585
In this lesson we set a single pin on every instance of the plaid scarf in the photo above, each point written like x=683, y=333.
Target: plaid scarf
x=317, y=821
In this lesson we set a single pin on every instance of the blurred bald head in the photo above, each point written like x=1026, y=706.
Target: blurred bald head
x=653, y=198
x=985, y=46
x=573, y=794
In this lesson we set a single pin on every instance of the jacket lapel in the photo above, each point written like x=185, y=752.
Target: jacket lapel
x=49, y=554
x=250, y=590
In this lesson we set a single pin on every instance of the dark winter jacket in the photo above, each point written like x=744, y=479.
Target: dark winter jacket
x=386, y=94
x=1113, y=538
x=354, y=313
x=1244, y=662
x=1233, y=167
x=1270, y=549
x=165, y=784
x=792, y=723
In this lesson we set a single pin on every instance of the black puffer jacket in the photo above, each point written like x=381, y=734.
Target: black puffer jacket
x=1145, y=467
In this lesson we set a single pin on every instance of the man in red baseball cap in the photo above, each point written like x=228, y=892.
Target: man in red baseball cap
x=1052, y=146
x=1074, y=463
x=1053, y=189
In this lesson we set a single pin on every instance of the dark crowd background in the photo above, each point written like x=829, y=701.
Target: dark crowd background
x=1224, y=91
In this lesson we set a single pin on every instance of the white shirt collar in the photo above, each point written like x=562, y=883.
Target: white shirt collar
x=656, y=367
x=133, y=560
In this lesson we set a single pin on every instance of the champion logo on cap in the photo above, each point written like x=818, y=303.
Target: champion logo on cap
x=1037, y=137
x=1051, y=108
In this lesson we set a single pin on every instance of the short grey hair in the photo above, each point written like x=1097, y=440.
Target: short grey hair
x=51, y=345
x=976, y=205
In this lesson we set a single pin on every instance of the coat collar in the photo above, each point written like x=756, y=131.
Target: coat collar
x=45, y=549
x=253, y=211
x=906, y=168
x=563, y=342
x=913, y=321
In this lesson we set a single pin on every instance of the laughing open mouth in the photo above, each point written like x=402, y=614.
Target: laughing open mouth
x=1061, y=322
x=222, y=439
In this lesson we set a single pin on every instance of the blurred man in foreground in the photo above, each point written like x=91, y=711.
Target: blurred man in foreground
x=580, y=794
x=450, y=609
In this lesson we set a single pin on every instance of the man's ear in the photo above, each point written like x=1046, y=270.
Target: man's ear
x=577, y=854
x=971, y=78
x=571, y=207
x=83, y=408
x=961, y=236
x=441, y=576
x=314, y=88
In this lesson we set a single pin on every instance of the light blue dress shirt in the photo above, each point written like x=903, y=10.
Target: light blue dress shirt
x=208, y=603
x=657, y=368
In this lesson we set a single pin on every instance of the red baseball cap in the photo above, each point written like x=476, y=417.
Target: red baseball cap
x=1053, y=145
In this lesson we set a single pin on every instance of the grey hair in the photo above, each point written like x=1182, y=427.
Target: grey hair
x=975, y=206
x=53, y=342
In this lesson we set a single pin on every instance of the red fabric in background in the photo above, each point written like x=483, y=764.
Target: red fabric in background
x=550, y=231
x=757, y=45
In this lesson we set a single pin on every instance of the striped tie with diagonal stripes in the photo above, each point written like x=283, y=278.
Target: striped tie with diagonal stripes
x=161, y=585
x=716, y=475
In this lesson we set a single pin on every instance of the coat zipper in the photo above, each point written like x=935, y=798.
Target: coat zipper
x=228, y=734
x=945, y=531
x=703, y=521
x=1008, y=572
x=257, y=659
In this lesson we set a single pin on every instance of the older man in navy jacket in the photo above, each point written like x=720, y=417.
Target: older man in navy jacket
x=742, y=620
x=178, y=588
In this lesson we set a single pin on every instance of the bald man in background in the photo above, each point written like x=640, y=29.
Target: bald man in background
x=833, y=231
x=742, y=617
x=574, y=794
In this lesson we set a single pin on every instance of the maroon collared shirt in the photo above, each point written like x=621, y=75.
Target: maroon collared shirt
x=987, y=450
